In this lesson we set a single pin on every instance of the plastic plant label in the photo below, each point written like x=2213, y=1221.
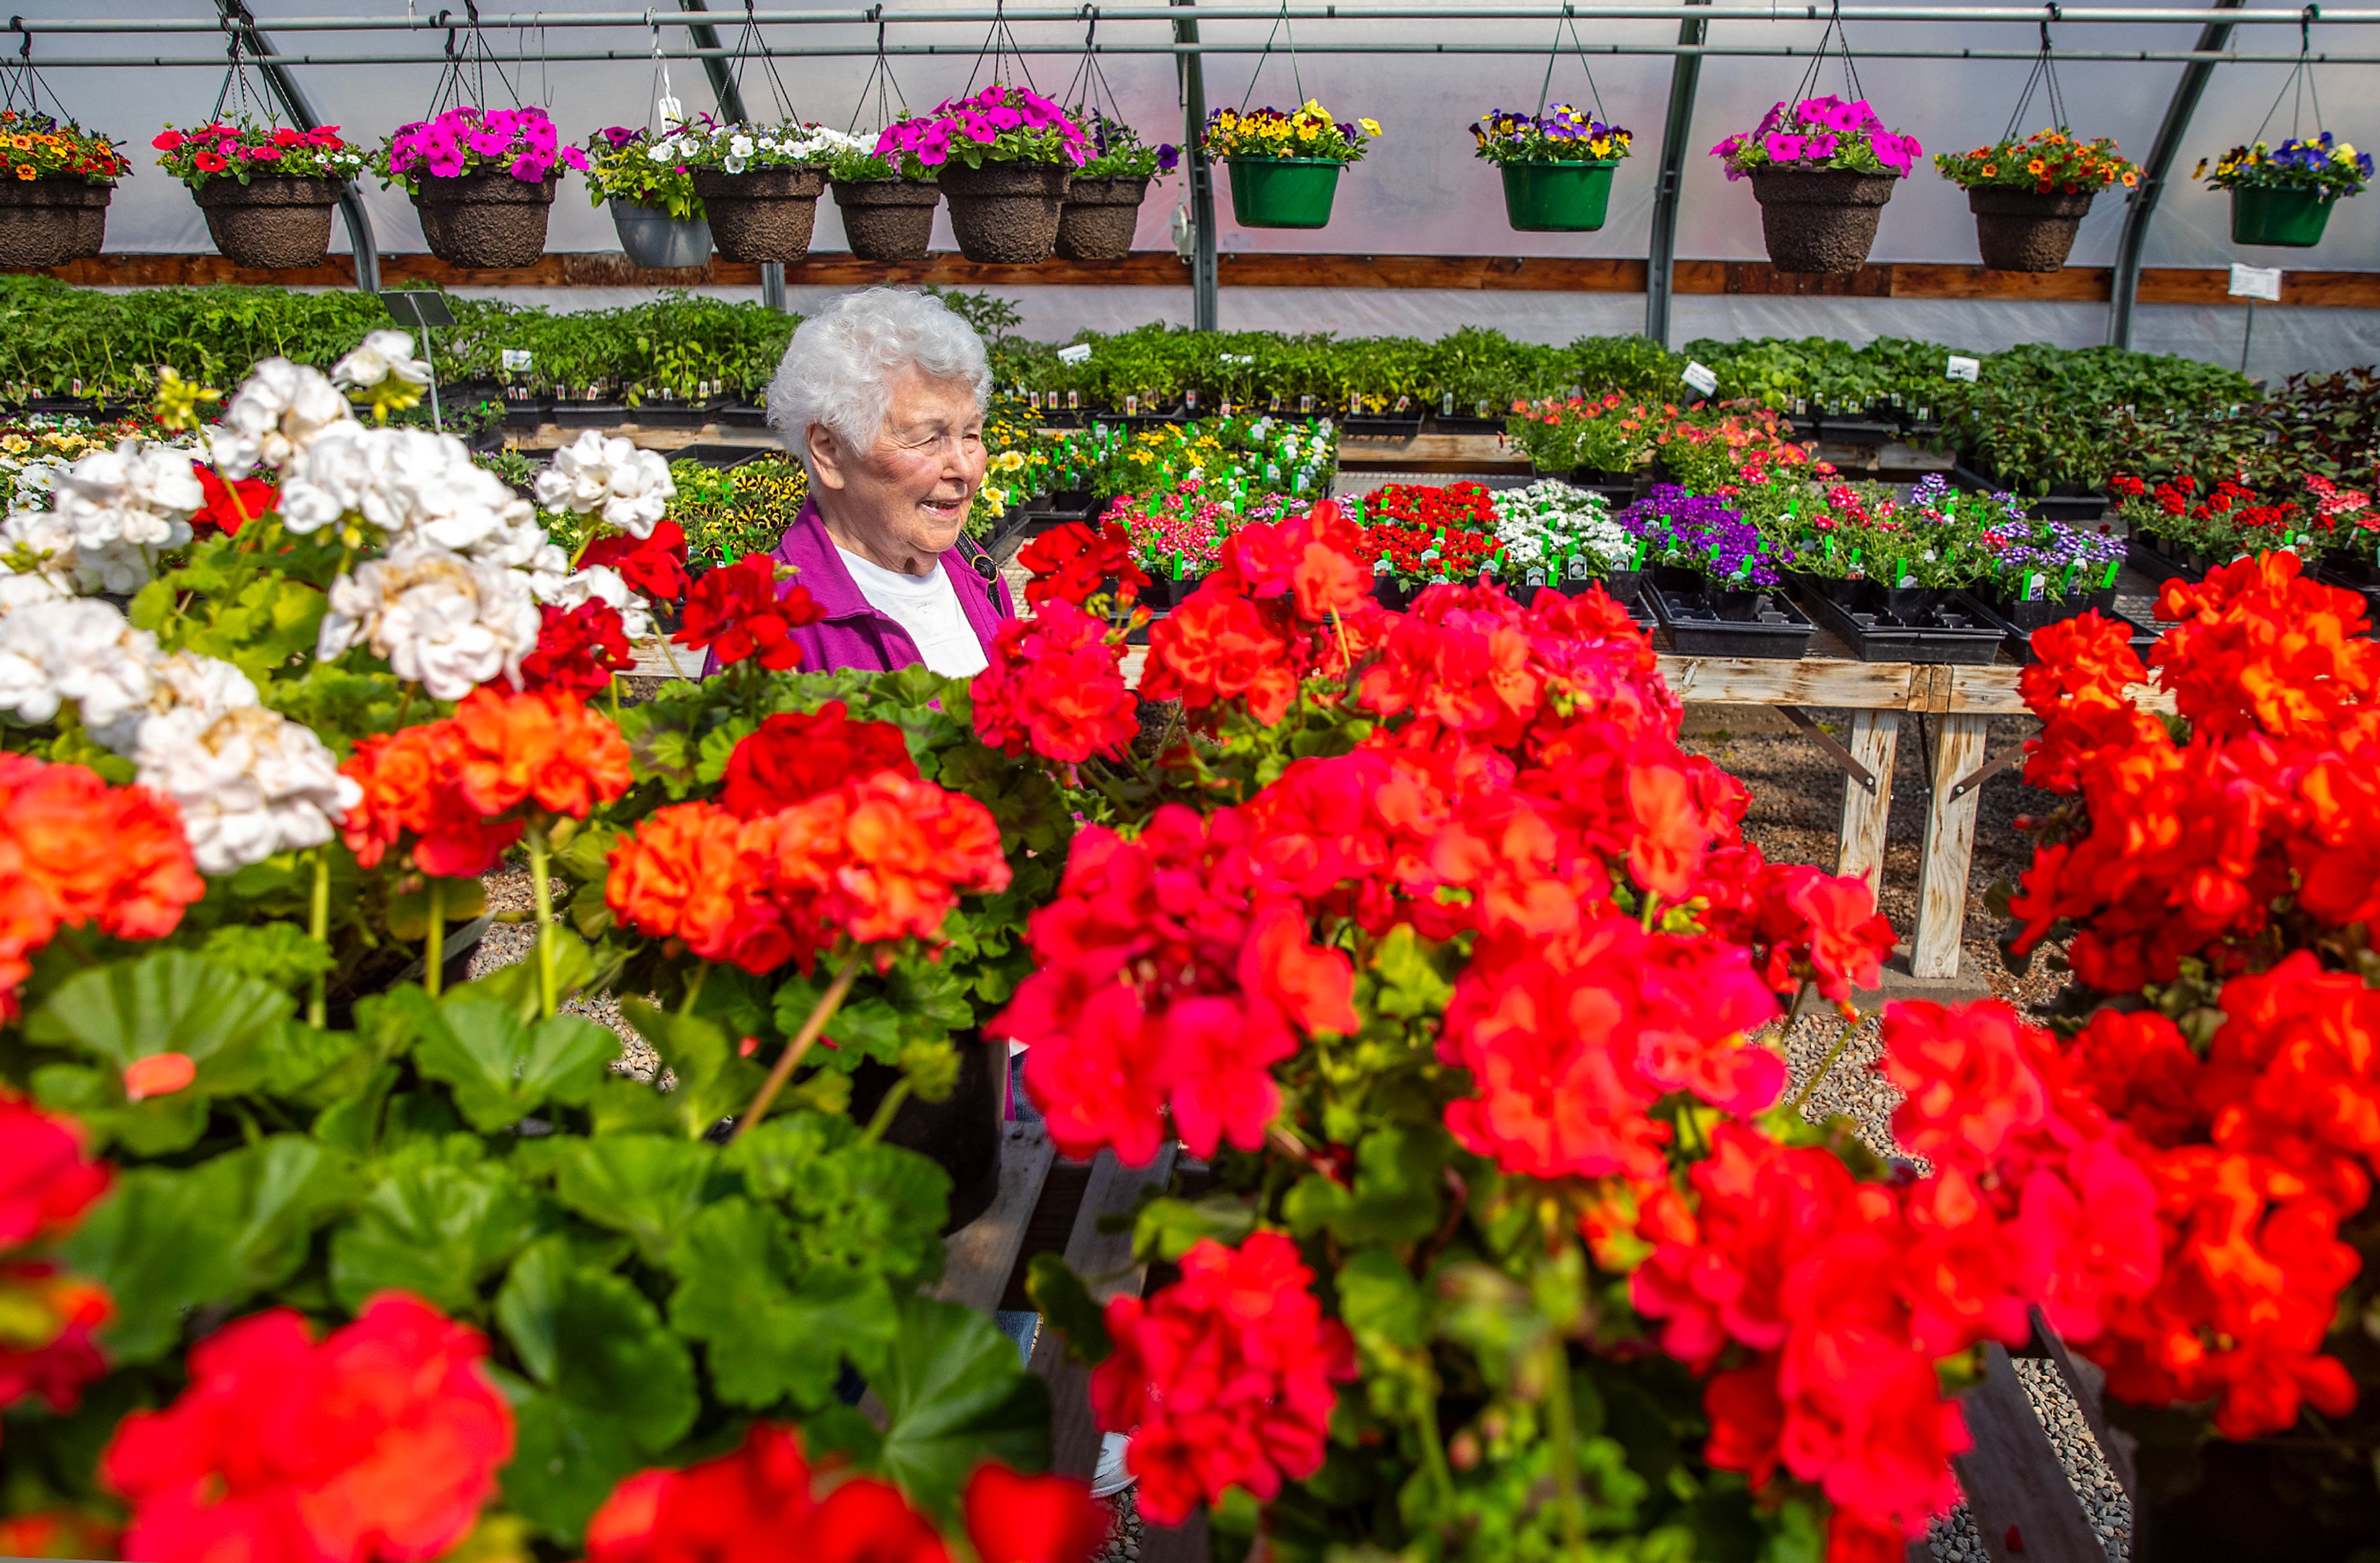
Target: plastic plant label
x=2032, y=584
x=519, y=358
x=1446, y=404
x=1080, y=353
x=1305, y=402
x=1700, y=378
x=2256, y=282
x=1131, y=407
x=671, y=111
x=1961, y=366
x=1074, y=400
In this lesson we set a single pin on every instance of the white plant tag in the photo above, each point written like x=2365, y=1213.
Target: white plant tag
x=519, y=358
x=1961, y=366
x=1080, y=353
x=1700, y=378
x=2256, y=282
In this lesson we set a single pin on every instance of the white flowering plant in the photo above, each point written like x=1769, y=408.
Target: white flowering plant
x=647, y=167
x=222, y=613
x=737, y=148
x=1546, y=525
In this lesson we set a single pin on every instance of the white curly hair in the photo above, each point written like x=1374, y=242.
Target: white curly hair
x=838, y=367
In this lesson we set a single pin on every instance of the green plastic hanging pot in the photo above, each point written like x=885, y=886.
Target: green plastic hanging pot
x=2279, y=215
x=1282, y=192
x=1556, y=198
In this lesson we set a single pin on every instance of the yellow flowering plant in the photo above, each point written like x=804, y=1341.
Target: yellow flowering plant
x=1267, y=133
x=36, y=146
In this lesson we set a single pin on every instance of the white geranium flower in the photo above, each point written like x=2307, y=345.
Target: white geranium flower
x=629, y=487
x=37, y=560
x=249, y=781
x=123, y=506
x=80, y=651
x=274, y=416
x=438, y=618
x=410, y=483
x=599, y=583
x=383, y=353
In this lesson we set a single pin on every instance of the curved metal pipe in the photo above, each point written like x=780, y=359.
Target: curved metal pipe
x=293, y=101
x=2133, y=242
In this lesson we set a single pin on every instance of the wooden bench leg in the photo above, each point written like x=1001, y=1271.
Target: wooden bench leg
x=1866, y=809
x=1950, y=848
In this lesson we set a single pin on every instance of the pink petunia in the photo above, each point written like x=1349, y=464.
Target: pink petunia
x=1782, y=148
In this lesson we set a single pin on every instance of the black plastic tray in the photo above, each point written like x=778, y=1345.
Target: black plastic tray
x=1634, y=594
x=2354, y=574
x=1370, y=427
x=2020, y=641
x=1699, y=629
x=1955, y=635
x=2155, y=563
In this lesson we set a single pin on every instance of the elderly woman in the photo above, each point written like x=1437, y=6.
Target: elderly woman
x=882, y=397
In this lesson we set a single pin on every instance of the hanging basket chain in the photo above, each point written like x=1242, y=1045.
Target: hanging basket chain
x=471, y=55
x=880, y=76
x=1288, y=34
x=2043, y=75
x=747, y=43
x=1841, y=39
x=1089, y=84
x=1570, y=19
x=2300, y=85
x=998, y=41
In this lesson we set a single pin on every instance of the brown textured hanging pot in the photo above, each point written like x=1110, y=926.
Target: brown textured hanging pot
x=484, y=220
x=2026, y=230
x=273, y=223
x=50, y=222
x=1006, y=213
x=888, y=220
x=762, y=214
x=1820, y=222
x=1100, y=216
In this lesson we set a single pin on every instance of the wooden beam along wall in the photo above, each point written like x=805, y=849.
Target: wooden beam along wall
x=1903, y=279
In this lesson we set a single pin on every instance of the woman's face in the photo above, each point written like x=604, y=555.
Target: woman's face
x=902, y=502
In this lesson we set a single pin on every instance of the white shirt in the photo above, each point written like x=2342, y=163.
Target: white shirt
x=927, y=607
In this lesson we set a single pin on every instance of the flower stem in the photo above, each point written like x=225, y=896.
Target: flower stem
x=318, y=1002
x=1561, y=1423
x=1802, y=1096
x=547, y=997
x=1433, y=1449
x=433, y=953
x=885, y=1111
x=812, y=1029
x=693, y=988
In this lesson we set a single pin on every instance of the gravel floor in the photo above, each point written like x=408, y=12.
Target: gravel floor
x=510, y=891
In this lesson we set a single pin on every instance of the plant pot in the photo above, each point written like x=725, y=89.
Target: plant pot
x=1282, y=192
x=764, y=214
x=51, y=222
x=1556, y=198
x=484, y=221
x=1006, y=214
x=960, y=1134
x=2026, y=230
x=888, y=220
x=656, y=241
x=2279, y=1500
x=1099, y=218
x=1820, y=223
x=270, y=224
x=2268, y=214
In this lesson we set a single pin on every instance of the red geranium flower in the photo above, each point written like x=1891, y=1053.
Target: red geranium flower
x=792, y=756
x=653, y=566
x=579, y=650
x=737, y=612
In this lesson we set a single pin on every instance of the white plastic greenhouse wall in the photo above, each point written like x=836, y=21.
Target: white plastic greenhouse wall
x=1421, y=191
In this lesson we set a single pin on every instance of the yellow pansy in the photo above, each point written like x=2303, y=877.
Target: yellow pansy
x=1369, y=126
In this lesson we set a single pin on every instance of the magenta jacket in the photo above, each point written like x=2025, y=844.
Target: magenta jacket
x=852, y=634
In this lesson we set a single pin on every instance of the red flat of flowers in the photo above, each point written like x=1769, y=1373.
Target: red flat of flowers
x=382, y=1442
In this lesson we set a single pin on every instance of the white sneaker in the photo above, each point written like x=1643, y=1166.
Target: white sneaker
x=1110, y=1477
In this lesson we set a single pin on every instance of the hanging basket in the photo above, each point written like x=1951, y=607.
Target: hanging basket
x=1820, y=222
x=484, y=220
x=50, y=222
x=2278, y=215
x=1556, y=198
x=2026, y=230
x=888, y=220
x=1101, y=217
x=1283, y=192
x=658, y=242
x=1006, y=213
x=763, y=215
x=270, y=224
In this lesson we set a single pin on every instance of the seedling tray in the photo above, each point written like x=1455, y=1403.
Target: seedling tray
x=1763, y=624
x=2156, y=564
x=1942, y=630
x=2020, y=641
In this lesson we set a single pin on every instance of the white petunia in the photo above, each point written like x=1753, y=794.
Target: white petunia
x=249, y=780
x=660, y=152
x=735, y=162
x=448, y=622
x=740, y=146
x=599, y=583
x=279, y=411
x=383, y=353
x=630, y=488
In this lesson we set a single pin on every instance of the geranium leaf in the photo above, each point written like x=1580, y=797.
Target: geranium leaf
x=169, y=1002
x=649, y=1186
x=432, y=1228
x=770, y=1340
x=567, y=1459
x=713, y=1079
x=502, y=1068
x=596, y=1340
x=957, y=1395
x=165, y=1242
x=864, y=1205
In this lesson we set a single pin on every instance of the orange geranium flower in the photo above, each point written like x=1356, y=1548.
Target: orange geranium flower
x=543, y=745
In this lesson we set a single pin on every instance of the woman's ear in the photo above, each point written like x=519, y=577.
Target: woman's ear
x=828, y=458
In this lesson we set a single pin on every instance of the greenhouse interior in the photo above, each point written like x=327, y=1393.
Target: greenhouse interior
x=1189, y=782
